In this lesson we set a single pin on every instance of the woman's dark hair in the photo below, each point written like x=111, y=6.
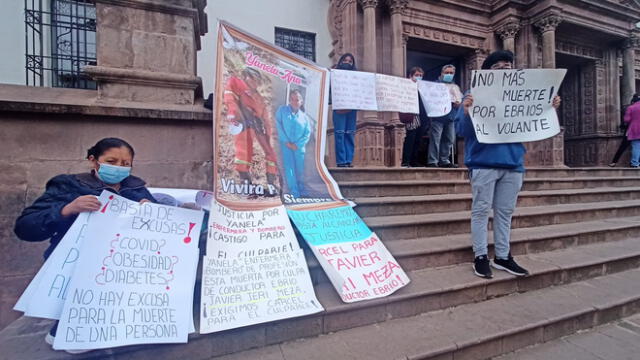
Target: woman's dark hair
x=494, y=57
x=349, y=55
x=108, y=143
x=414, y=70
x=635, y=98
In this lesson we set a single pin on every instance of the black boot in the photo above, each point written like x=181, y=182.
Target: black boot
x=244, y=175
x=273, y=188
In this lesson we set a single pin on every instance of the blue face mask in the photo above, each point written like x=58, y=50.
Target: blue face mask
x=418, y=78
x=112, y=174
x=447, y=78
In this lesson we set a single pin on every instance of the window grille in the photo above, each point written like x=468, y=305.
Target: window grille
x=299, y=42
x=60, y=40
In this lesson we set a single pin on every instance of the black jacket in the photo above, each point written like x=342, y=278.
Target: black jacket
x=42, y=220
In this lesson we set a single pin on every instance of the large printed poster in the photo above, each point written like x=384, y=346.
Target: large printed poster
x=270, y=115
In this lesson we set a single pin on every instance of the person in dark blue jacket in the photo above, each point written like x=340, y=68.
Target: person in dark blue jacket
x=496, y=172
x=66, y=196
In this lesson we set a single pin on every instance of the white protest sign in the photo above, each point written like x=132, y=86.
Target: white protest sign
x=353, y=90
x=436, y=98
x=362, y=270
x=356, y=262
x=249, y=233
x=47, y=292
x=251, y=290
x=515, y=105
x=135, y=285
x=396, y=94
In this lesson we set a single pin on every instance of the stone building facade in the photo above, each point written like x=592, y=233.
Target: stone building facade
x=596, y=40
x=147, y=93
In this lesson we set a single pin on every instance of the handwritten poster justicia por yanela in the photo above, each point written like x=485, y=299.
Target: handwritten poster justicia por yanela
x=134, y=280
x=515, y=105
x=355, y=260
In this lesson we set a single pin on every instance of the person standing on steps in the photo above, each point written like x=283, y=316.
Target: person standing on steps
x=632, y=119
x=624, y=144
x=415, y=125
x=496, y=172
x=442, y=133
x=344, y=122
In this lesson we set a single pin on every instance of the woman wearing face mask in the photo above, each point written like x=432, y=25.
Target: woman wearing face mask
x=344, y=122
x=415, y=125
x=52, y=214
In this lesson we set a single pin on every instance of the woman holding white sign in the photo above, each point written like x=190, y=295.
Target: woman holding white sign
x=344, y=122
x=66, y=196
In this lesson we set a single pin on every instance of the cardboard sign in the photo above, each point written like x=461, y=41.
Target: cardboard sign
x=356, y=262
x=135, y=285
x=249, y=233
x=353, y=90
x=515, y=105
x=251, y=290
x=396, y=94
x=436, y=98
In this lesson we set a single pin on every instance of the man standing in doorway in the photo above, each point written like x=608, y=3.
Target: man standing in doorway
x=496, y=172
x=442, y=134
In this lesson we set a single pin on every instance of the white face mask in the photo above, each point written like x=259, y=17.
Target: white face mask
x=418, y=78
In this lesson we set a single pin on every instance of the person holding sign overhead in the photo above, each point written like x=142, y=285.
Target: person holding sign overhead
x=496, y=172
x=344, y=122
x=66, y=196
x=442, y=132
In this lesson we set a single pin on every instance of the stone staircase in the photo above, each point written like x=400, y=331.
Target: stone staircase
x=576, y=230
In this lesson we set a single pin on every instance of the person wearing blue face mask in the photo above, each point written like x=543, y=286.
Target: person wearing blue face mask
x=66, y=196
x=442, y=131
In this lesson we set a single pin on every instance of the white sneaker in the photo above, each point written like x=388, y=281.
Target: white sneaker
x=50, y=338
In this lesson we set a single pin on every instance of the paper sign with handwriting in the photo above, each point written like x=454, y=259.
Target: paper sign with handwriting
x=355, y=260
x=436, y=98
x=353, y=90
x=134, y=280
x=251, y=290
x=396, y=94
x=515, y=105
x=234, y=233
x=47, y=292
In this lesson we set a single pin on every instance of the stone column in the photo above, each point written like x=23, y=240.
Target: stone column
x=369, y=61
x=547, y=26
x=370, y=138
x=147, y=51
x=508, y=34
x=628, y=71
x=396, y=8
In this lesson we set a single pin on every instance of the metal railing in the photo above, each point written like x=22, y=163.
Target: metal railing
x=60, y=39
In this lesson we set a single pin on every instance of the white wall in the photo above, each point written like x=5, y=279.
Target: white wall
x=12, y=42
x=260, y=18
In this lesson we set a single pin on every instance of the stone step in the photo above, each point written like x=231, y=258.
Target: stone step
x=430, y=290
x=426, y=204
x=474, y=331
x=617, y=340
x=446, y=250
x=396, y=227
x=373, y=188
x=394, y=174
